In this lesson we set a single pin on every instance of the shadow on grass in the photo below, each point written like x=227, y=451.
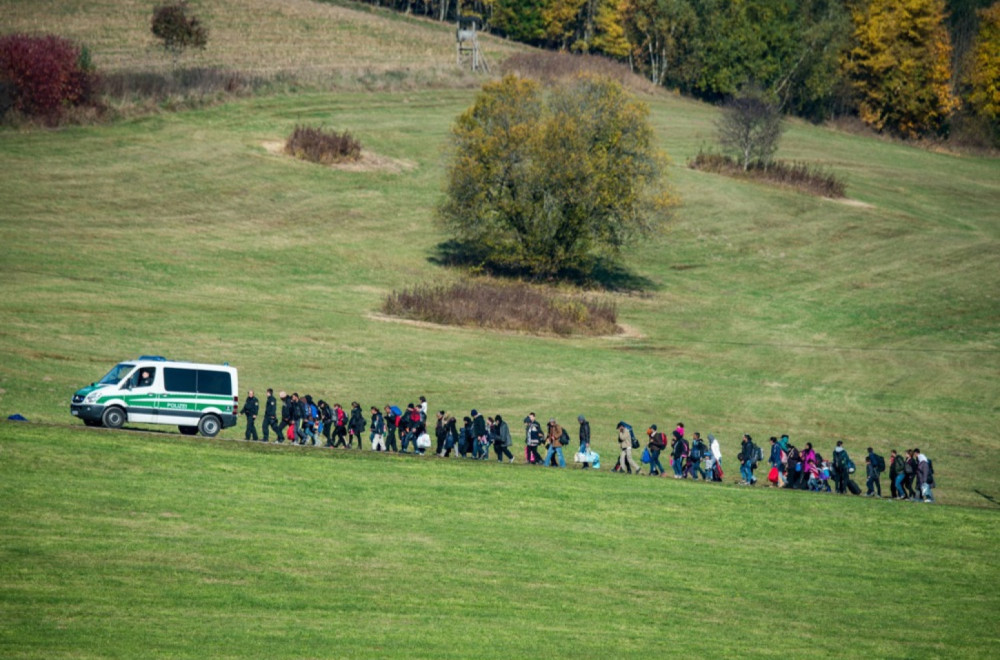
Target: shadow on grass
x=601, y=273
x=988, y=498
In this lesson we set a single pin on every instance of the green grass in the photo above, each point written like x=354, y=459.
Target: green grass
x=155, y=545
x=767, y=311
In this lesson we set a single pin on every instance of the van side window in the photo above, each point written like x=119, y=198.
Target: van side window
x=180, y=380
x=215, y=382
x=144, y=377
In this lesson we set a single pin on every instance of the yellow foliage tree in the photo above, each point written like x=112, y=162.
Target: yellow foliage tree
x=609, y=29
x=984, y=76
x=547, y=182
x=899, y=64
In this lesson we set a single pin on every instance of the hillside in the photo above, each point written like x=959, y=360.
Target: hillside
x=188, y=234
x=303, y=38
x=767, y=311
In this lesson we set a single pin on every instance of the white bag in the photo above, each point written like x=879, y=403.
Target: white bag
x=423, y=441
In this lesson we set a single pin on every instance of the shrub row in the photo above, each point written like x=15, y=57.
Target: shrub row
x=499, y=306
x=550, y=67
x=812, y=179
x=319, y=146
x=198, y=81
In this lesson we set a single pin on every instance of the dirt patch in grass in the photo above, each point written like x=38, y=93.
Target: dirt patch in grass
x=368, y=162
x=850, y=202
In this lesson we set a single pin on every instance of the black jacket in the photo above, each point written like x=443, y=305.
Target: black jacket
x=357, y=422
x=479, y=426
x=250, y=407
x=270, y=407
x=585, y=432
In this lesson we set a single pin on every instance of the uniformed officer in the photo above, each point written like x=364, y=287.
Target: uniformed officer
x=250, y=408
x=271, y=415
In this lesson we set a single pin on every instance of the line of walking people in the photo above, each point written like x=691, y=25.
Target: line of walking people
x=304, y=421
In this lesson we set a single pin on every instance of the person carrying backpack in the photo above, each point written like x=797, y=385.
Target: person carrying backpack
x=841, y=469
x=875, y=466
x=896, y=474
x=748, y=460
x=325, y=421
x=657, y=443
x=465, y=439
x=698, y=452
x=625, y=439
x=677, y=454
x=339, y=421
x=391, y=416
x=355, y=425
x=501, y=439
x=532, y=439
x=555, y=437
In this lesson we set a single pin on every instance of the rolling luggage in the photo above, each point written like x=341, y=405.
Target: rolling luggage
x=853, y=486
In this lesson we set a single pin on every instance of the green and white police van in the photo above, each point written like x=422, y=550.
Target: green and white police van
x=153, y=390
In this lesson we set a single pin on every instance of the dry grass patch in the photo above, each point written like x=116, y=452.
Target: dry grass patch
x=499, y=306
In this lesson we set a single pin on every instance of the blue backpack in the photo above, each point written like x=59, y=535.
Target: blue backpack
x=631, y=433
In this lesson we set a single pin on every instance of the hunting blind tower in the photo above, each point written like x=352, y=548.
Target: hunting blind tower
x=468, y=44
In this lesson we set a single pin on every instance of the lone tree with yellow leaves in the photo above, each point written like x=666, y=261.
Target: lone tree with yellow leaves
x=899, y=65
x=543, y=182
x=984, y=76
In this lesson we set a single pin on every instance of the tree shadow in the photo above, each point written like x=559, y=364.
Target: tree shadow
x=600, y=273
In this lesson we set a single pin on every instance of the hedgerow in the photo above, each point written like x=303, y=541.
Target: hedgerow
x=808, y=178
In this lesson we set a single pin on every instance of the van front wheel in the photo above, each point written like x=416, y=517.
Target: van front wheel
x=209, y=426
x=113, y=417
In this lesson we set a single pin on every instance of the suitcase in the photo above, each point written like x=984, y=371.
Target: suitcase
x=853, y=486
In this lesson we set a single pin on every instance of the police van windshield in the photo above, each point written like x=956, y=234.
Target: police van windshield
x=116, y=374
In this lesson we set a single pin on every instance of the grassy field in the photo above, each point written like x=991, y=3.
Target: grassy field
x=762, y=310
x=154, y=545
x=766, y=311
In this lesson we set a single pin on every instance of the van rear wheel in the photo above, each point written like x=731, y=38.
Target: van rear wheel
x=113, y=417
x=188, y=430
x=209, y=426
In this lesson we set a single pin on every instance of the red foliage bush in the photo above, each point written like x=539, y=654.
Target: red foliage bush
x=44, y=74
